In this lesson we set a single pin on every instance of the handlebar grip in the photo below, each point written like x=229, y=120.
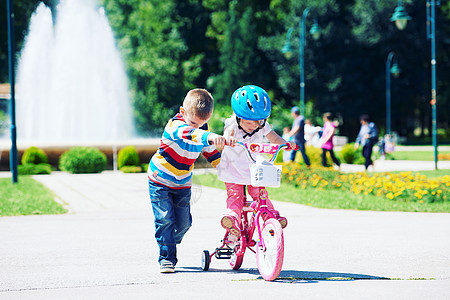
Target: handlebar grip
x=295, y=148
x=212, y=143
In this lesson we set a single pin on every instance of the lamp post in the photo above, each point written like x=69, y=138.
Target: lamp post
x=431, y=35
x=315, y=32
x=13, y=152
x=394, y=70
x=400, y=18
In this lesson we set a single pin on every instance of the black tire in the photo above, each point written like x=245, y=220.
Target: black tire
x=206, y=259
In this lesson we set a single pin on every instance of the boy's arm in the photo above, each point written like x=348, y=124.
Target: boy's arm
x=210, y=153
x=180, y=130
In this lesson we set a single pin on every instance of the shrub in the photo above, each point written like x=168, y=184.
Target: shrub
x=221, y=113
x=33, y=169
x=82, y=160
x=131, y=169
x=348, y=153
x=144, y=167
x=34, y=155
x=314, y=155
x=127, y=156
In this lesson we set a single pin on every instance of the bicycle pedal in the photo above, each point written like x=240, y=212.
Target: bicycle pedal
x=223, y=253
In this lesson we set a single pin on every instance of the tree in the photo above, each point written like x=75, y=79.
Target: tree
x=148, y=34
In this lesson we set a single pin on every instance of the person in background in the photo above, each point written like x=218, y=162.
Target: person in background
x=312, y=133
x=286, y=154
x=367, y=138
x=297, y=134
x=326, y=140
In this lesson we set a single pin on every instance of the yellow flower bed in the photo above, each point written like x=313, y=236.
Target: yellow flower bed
x=400, y=187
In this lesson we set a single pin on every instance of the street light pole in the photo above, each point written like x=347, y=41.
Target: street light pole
x=11, y=54
x=315, y=32
x=401, y=18
x=302, y=41
x=431, y=30
x=395, y=71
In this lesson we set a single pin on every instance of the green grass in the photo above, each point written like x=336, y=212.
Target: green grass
x=430, y=173
x=416, y=155
x=333, y=199
x=27, y=197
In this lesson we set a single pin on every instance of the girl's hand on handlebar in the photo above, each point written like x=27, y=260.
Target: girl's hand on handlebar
x=231, y=141
x=218, y=140
x=292, y=146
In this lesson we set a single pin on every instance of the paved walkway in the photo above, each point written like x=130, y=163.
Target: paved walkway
x=104, y=249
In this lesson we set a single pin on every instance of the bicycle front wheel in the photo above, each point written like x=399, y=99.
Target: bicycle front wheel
x=270, y=258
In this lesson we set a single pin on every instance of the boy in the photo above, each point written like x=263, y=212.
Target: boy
x=185, y=136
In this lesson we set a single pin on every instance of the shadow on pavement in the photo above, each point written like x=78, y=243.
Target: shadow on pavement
x=292, y=276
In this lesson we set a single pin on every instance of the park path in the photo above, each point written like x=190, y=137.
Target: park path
x=104, y=248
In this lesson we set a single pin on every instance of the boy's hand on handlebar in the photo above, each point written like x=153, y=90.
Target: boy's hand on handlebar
x=292, y=146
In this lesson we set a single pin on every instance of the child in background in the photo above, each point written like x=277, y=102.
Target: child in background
x=286, y=154
x=312, y=133
x=326, y=140
x=185, y=136
x=251, y=106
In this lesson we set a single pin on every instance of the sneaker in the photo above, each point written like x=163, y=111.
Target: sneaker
x=230, y=223
x=283, y=222
x=166, y=267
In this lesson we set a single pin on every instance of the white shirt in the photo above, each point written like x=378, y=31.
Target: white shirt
x=234, y=166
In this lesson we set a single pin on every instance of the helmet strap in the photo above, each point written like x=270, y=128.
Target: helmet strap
x=249, y=134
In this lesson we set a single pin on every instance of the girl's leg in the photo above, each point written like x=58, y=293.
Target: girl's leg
x=334, y=158
x=235, y=202
x=254, y=192
x=324, y=157
x=235, y=199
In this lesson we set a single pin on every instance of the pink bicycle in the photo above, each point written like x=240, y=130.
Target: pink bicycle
x=261, y=232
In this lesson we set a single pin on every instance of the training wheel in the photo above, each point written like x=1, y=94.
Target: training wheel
x=206, y=259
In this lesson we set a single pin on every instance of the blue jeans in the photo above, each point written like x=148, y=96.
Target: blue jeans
x=172, y=211
x=367, y=153
x=302, y=149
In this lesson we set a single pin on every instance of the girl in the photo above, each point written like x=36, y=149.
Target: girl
x=326, y=140
x=251, y=106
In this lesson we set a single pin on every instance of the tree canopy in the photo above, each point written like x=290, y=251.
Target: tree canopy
x=172, y=46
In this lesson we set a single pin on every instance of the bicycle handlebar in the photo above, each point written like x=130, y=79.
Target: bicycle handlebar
x=273, y=149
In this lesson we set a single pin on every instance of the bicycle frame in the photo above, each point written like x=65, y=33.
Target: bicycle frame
x=257, y=210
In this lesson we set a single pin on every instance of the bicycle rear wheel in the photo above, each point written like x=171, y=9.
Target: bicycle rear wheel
x=270, y=259
x=237, y=257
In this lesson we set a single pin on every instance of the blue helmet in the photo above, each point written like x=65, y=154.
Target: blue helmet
x=251, y=102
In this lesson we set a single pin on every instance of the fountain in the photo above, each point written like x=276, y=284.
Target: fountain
x=72, y=84
x=72, y=87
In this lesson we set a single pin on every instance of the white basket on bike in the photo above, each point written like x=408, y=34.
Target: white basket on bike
x=264, y=173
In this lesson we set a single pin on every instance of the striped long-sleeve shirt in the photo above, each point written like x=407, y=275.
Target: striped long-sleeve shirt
x=180, y=146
